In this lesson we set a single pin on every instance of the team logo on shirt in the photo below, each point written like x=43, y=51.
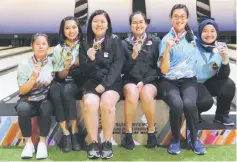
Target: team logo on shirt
x=214, y=66
x=149, y=43
x=106, y=54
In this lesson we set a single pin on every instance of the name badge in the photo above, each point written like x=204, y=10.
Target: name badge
x=106, y=54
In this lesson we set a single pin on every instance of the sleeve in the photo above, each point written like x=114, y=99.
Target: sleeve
x=57, y=59
x=22, y=74
x=86, y=66
x=224, y=71
x=117, y=64
x=129, y=62
x=162, y=46
x=155, y=71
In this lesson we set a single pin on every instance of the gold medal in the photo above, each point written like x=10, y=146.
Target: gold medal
x=39, y=64
x=96, y=46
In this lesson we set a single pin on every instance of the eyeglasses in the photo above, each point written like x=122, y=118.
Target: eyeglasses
x=176, y=17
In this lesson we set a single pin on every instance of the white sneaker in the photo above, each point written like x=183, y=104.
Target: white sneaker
x=42, y=152
x=28, y=151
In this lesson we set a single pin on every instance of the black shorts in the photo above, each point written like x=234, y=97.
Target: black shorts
x=90, y=85
x=154, y=82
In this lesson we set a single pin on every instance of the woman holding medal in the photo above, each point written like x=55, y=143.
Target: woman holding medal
x=140, y=77
x=34, y=76
x=65, y=60
x=213, y=71
x=102, y=65
x=178, y=85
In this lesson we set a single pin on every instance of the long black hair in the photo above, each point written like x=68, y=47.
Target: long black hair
x=62, y=37
x=189, y=35
x=108, y=34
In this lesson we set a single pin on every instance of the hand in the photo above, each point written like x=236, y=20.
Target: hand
x=100, y=88
x=36, y=72
x=91, y=53
x=171, y=42
x=223, y=54
x=68, y=62
x=136, y=49
x=139, y=86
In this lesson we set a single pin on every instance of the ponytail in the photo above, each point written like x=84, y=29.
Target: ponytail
x=189, y=35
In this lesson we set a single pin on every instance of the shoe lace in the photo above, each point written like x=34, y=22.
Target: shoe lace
x=66, y=140
x=151, y=137
x=198, y=144
x=106, y=146
x=128, y=138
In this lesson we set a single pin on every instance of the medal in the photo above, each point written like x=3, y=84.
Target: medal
x=40, y=64
x=96, y=46
x=69, y=54
x=140, y=41
x=97, y=43
x=215, y=50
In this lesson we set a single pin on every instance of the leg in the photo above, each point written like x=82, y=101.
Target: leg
x=45, y=112
x=91, y=107
x=107, y=109
x=25, y=111
x=131, y=95
x=147, y=95
x=224, y=89
x=69, y=93
x=171, y=95
x=204, y=99
x=189, y=95
x=55, y=93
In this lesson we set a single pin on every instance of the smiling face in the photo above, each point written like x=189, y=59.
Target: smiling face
x=179, y=19
x=138, y=25
x=71, y=30
x=209, y=34
x=40, y=47
x=99, y=25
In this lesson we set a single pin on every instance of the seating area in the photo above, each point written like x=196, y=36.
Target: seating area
x=210, y=133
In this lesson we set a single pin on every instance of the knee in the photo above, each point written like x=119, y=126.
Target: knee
x=24, y=109
x=55, y=89
x=46, y=108
x=189, y=106
x=107, y=106
x=176, y=104
x=68, y=90
x=90, y=105
x=228, y=88
x=205, y=104
x=131, y=94
x=146, y=96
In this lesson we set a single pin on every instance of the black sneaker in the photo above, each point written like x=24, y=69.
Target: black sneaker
x=75, y=144
x=224, y=119
x=93, y=151
x=67, y=143
x=128, y=142
x=151, y=140
x=106, y=150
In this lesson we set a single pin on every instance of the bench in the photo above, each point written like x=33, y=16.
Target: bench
x=209, y=132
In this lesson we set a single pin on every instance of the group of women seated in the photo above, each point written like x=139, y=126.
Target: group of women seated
x=182, y=69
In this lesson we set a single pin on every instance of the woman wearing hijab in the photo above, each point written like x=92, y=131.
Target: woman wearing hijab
x=212, y=71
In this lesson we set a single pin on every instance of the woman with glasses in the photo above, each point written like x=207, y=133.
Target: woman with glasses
x=178, y=85
x=34, y=76
x=140, y=77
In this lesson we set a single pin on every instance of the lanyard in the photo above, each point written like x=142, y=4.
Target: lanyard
x=181, y=36
x=38, y=62
x=139, y=40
